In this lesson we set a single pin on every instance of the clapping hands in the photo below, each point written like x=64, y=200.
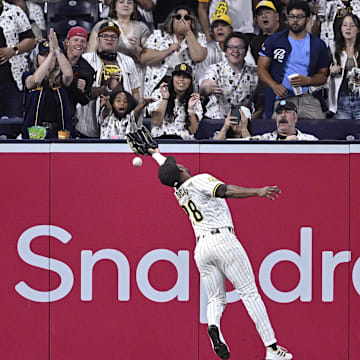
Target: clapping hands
x=53, y=41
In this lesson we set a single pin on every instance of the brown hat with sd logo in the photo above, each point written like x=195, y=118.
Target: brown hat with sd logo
x=111, y=26
x=183, y=68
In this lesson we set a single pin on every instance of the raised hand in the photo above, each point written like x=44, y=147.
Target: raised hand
x=194, y=98
x=229, y=120
x=105, y=101
x=136, y=48
x=164, y=90
x=53, y=41
x=183, y=27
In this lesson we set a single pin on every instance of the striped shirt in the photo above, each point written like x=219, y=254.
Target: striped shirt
x=197, y=197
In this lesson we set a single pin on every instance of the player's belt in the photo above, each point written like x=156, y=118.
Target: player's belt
x=217, y=231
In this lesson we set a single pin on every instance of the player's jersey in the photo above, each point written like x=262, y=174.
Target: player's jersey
x=197, y=197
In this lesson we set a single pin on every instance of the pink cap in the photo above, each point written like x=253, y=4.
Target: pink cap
x=77, y=31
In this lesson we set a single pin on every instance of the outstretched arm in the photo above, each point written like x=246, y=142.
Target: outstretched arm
x=238, y=192
x=203, y=9
x=140, y=107
x=155, y=153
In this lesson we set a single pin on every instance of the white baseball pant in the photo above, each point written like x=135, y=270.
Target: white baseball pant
x=220, y=256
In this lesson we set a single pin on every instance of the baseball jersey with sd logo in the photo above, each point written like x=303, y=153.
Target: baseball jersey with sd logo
x=197, y=197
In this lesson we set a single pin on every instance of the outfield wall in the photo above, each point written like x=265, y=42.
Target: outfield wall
x=123, y=283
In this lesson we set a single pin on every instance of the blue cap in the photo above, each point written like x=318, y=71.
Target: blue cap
x=44, y=47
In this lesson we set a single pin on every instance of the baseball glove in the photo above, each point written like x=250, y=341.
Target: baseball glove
x=141, y=140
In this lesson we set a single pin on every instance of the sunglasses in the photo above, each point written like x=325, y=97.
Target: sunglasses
x=185, y=17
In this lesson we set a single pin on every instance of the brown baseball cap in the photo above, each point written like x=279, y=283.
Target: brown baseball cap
x=111, y=26
x=183, y=68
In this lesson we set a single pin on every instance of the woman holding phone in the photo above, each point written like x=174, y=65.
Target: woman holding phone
x=236, y=125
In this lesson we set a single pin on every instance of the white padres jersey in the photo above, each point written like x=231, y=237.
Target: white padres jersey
x=219, y=255
x=197, y=197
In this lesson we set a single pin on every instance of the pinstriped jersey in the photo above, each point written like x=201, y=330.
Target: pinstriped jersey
x=197, y=197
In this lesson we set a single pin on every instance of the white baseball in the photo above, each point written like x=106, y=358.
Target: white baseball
x=137, y=162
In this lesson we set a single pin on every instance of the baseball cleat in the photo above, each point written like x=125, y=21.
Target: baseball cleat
x=279, y=354
x=219, y=347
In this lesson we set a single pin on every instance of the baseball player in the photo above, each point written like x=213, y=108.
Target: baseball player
x=218, y=253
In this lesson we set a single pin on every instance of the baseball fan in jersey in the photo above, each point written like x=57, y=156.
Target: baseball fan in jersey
x=203, y=198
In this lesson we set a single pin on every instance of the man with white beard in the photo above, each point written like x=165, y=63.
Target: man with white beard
x=286, y=119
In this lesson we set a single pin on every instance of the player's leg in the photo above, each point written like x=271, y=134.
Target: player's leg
x=214, y=284
x=240, y=273
x=213, y=280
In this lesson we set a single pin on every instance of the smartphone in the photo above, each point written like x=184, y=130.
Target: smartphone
x=236, y=113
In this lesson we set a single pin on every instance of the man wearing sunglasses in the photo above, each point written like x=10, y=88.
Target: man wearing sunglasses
x=114, y=70
x=300, y=55
x=178, y=41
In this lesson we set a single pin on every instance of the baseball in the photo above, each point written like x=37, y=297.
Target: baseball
x=137, y=162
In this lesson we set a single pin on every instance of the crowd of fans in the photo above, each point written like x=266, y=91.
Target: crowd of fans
x=179, y=64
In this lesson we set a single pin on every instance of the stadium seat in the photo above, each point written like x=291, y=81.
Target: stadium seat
x=10, y=128
x=324, y=129
x=62, y=25
x=88, y=10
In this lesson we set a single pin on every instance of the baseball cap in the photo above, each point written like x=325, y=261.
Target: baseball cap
x=169, y=173
x=265, y=3
x=109, y=25
x=77, y=31
x=183, y=68
x=43, y=47
x=221, y=17
x=285, y=105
